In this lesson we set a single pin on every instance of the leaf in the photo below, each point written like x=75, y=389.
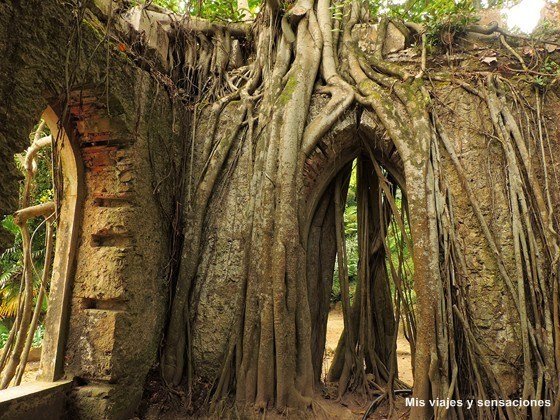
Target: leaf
x=528, y=51
x=489, y=60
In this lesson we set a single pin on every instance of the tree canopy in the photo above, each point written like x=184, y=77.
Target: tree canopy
x=413, y=10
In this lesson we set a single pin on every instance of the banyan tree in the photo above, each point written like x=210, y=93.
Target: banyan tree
x=201, y=170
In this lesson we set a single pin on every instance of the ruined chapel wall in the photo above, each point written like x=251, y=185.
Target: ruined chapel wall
x=120, y=293
x=466, y=121
x=127, y=132
x=123, y=125
x=21, y=91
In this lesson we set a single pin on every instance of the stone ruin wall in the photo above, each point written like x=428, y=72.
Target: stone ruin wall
x=128, y=137
x=467, y=124
x=125, y=128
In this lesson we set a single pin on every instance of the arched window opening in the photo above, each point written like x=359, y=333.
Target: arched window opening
x=33, y=269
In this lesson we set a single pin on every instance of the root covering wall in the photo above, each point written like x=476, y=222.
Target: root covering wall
x=222, y=265
x=467, y=123
x=493, y=314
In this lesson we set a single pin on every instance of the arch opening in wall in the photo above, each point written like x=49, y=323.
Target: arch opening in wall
x=358, y=210
x=46, y=229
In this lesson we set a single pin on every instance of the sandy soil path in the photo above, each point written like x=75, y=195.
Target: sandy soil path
x=335, y=326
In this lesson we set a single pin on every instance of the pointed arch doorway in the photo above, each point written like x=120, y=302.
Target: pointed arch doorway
x=358, y=240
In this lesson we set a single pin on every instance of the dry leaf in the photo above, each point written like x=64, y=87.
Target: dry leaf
x=489, y=60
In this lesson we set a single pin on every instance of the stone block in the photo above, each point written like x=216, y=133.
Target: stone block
x=91, y=354
x=100, y=400
x=153, y=26
x=36, y=400
x=103, y=276
x=366, y=36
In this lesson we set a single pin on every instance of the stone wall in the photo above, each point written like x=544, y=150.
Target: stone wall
x=126, y=129
x=119, y=297
x=466, y=120
x=37, y=400
x=129, y=136
x=494, y=317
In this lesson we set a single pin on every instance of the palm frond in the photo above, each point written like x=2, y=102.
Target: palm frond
x=9, y=307
x=8, y=274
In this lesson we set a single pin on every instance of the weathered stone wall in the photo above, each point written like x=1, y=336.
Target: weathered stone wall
x=126, y=130
x=129, y=136
x=35, y=401
x=119, y=298
x=467, y=122
x=20, y=103
x=494, y=317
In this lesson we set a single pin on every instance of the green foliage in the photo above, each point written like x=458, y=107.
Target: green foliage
x=438, y=15
x=224, y=10
x=351, y=236
x=215, y=10
x=445, y=19
x=11, y=263
x=449, y=13
x=4, y=332
x=11, y=260
x=401, y=255
x=422, y=11
x=176, y=6
x=549, y=73
x=173, y=5
x=38, y=336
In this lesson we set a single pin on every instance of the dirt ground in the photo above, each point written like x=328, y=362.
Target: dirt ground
x=335, y=326
x=30, y=374
x=350, y=407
